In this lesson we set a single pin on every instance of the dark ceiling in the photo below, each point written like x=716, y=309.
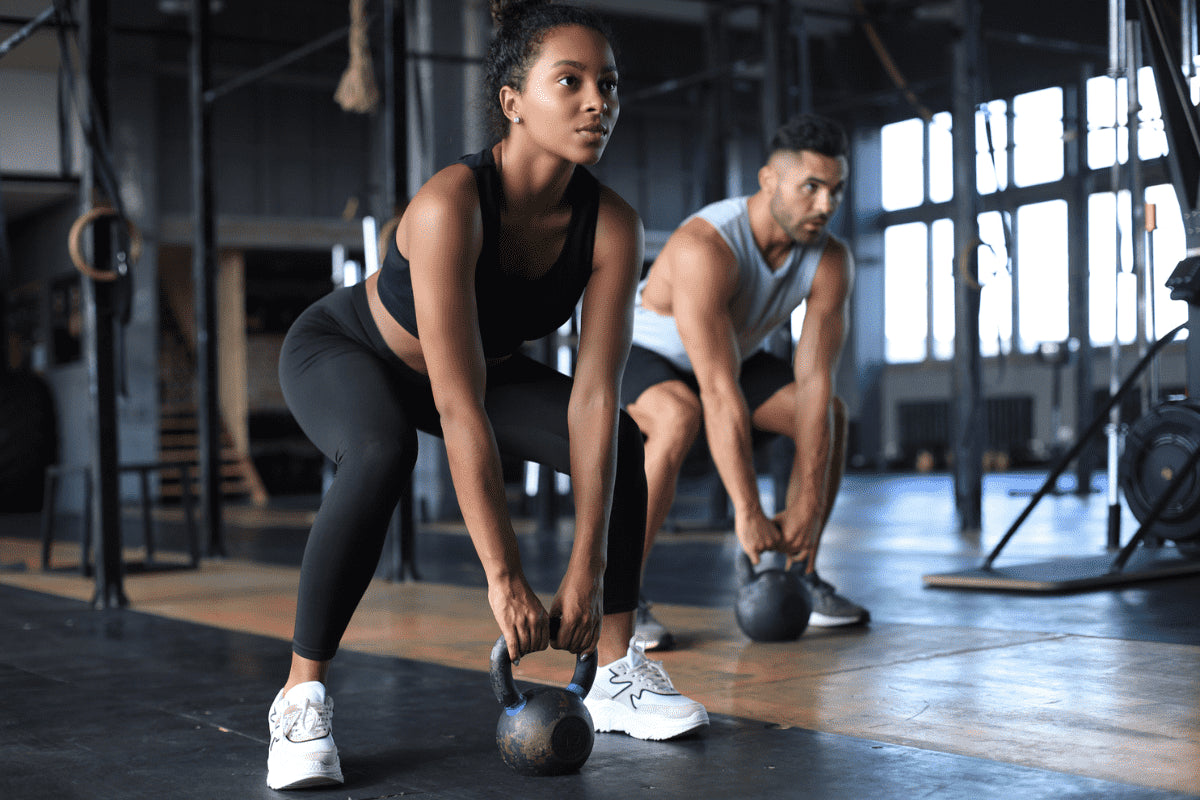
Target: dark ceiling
x=1025, y=44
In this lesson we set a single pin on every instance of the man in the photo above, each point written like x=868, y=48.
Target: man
x=729, y=277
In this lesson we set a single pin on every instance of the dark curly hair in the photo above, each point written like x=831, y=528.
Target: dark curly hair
x=521, y=27
x=811, y=132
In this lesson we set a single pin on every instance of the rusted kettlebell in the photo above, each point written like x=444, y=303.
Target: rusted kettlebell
x=772, y=604
x=544, y=730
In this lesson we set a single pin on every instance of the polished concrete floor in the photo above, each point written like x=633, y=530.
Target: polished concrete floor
x=948, y=693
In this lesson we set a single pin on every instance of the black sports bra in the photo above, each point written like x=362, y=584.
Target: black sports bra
x=512, y=309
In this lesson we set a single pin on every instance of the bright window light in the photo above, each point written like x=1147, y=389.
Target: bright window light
x=941, y=158
x=1030, y=302
x=1152, y=135
x=991, y=160
x=1108, y=226
x=995, y=298
x=1042, y=287
x=1168, y=247
x=942, y=258
x=1038, y=137
x=1108, y=105
x=1103, y=142
x=905, y=269
x=902, y=176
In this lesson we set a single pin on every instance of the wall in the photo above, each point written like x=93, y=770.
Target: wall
x=1016, y=376
x=31, y=110
x=861, y=379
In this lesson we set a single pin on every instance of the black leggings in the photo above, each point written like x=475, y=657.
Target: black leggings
x=362, y=406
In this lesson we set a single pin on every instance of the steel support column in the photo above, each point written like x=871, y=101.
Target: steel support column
x=773, y=22
x=804, y=81
x=99, y=318
x=204, y=279
x=1078, y=292
x=716, y=133
x=1136, y=185
x=969, y=421
x=395, y=106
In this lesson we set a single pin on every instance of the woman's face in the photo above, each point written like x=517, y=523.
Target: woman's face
x=569, y=105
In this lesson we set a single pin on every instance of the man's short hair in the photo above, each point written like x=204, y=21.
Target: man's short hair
x=811, y=132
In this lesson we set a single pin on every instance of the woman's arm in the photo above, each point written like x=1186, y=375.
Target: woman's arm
x=444, y=233
x=605, y=332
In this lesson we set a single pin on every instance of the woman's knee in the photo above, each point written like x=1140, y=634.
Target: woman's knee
x=379, y=457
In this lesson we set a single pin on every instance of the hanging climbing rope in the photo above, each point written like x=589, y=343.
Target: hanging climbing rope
x=357, y=90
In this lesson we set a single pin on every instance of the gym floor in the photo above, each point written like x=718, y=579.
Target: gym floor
x=948, y=693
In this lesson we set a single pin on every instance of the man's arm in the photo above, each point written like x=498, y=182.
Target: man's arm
x=817, y=352
x=703, y=281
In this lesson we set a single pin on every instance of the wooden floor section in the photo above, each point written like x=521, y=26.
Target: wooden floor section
x=1038, y=682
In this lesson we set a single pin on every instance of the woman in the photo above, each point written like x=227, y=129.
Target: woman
x=492, y=251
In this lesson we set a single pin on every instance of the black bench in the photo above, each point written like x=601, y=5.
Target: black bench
x=56, y=472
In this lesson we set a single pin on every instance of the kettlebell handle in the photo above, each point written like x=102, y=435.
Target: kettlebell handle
x=505, y=688
x=747, y=573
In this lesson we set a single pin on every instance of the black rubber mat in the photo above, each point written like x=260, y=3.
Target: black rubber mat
x=122, y=704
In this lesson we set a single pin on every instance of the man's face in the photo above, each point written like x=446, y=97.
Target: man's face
x=808, y=189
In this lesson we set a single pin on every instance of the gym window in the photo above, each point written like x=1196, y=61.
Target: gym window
x=905, y=292
x=1108, y=112
x=1023, y=259
x=1108, y=291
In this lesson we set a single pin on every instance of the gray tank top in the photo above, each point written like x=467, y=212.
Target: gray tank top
x=763, y=299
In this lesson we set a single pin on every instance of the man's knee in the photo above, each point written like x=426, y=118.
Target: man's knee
x=669, y=415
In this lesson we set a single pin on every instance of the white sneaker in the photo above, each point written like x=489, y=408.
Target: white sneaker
x=633, y=695
x=302, y=749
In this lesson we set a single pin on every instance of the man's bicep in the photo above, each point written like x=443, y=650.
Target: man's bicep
x=701, y=298
x=823, y=333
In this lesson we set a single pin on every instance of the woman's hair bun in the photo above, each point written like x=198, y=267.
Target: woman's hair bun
x=504, y=11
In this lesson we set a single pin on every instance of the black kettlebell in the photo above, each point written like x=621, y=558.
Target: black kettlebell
x=772, y=604
x=544, y=730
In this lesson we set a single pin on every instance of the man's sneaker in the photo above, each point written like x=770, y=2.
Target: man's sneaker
x=830, y=609
x=652, y=633
x=633, y=695
x=302, y=749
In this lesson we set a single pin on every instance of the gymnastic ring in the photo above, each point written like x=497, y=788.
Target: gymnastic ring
x=971, y=280
x=76, y=251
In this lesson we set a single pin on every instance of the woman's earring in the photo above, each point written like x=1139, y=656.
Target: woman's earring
x=517, y=120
